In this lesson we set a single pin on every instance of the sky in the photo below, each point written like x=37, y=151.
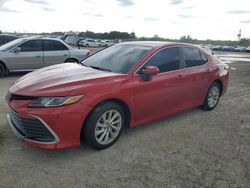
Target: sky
x=201, y=19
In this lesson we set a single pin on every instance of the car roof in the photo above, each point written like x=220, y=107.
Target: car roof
x=9, y=35
x=156, y=43
x=41, y=37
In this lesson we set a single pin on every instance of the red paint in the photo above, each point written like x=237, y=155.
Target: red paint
x=163, y=95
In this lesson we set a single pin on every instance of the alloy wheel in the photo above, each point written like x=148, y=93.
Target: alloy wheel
x=213, y=96
x=108, y=127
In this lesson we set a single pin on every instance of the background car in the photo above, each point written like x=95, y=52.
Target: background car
x=107, y=43
x=27, y=54
x=90, y=43
x=5, y=38
x=240, y=49
x=247, y=49
x=228, y=48
x=217, y=48
x=125, y=85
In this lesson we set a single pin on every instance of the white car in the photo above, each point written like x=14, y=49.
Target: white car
x=26, y=54
x=107, y=43
x=90, y=43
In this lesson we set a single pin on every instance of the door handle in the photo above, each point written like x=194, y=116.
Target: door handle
x=38, y=56
x=65, y=55
x=209, y=70
x=181, y=76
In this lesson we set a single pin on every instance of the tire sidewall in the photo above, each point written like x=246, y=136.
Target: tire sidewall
x=90, y=125
x=2, y=71
x=206, y=105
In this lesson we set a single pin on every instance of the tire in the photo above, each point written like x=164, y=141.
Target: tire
x=2, y=70
x=87, y=45
x=101, y=133
x=212, y=97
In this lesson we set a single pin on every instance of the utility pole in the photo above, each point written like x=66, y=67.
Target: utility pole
x=239, y=35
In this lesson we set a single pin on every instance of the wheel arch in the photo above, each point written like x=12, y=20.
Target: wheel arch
x=120, y=102
x=71, y=59
x=221, y=85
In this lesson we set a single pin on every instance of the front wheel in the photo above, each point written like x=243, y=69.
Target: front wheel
x=104, y=125
x=212, y=97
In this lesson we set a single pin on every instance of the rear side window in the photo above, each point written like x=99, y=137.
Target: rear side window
x=31, y=46
x=193, y=57
x=165, y=60
x=50, y=45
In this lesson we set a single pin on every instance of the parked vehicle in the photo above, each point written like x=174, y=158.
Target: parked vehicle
x=125, y=85
x=217, y=48
x=5, y=38
x=247, y=49
x=228, y=48
x=240, y=49
x=26, y=54
x=107, y=43
x=72, y=38
x=90, y=43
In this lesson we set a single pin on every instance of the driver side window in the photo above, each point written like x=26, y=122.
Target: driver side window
x=165, y=60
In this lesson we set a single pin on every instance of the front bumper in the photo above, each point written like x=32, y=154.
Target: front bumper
x=58, y=127
x=32, y=130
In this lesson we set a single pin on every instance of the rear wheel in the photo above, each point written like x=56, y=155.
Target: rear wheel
x=212, y=97
x=104, y=125
x=2, y=70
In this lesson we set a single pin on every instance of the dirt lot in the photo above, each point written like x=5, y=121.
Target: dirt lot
x=191, y=149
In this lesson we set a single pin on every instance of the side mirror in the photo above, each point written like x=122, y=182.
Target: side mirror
x=16, y=50
x=149, y=72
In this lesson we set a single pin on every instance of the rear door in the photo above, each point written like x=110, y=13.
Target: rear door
x=55, y=52
x=29, y=57
x=195, y=75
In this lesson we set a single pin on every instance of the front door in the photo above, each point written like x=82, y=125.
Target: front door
x=163, y=94
x=29, y=56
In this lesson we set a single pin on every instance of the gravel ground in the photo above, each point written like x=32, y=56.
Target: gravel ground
x=191, y=149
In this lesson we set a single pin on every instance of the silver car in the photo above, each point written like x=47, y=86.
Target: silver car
x=26, y=54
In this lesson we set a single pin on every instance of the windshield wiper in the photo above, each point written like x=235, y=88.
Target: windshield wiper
x=100, y=68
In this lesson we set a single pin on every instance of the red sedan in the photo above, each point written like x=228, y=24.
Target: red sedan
x=126, y=85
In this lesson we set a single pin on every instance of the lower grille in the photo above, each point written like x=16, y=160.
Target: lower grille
x=31, y=129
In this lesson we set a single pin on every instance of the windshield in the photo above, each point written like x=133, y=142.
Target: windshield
x=11, y=44
x=120, y=58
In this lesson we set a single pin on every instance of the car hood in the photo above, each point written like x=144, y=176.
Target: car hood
x=59, y=80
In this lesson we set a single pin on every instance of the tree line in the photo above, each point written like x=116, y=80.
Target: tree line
x=125, y=36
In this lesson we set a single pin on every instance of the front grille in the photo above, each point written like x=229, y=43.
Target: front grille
x=32, y=129
x=10, y=97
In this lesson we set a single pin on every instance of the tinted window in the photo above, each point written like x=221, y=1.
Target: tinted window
x=5, y=39
x=119, y=58
x=193, y=57
x=166, y=60
x=31, y=46
x=51, y=45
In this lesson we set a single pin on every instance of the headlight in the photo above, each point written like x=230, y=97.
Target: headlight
x=55, y=101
